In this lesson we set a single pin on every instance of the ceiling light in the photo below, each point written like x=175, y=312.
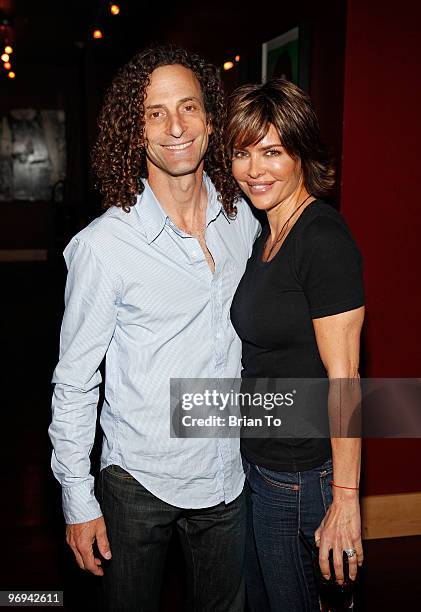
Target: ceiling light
x=228, y=65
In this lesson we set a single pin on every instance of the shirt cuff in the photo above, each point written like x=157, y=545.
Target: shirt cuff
x=80, y=504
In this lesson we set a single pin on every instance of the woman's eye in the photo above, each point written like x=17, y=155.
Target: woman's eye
x=238, y=154
x=273, y=152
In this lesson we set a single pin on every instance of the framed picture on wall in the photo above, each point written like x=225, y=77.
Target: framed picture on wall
x=286, y=56
x=32, y=154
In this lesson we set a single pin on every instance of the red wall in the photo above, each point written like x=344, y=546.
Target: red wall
x=381, y=199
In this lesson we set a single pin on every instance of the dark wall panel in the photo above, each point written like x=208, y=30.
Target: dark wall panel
x=380, y=199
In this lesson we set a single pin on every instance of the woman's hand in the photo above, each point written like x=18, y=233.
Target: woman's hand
x=340, y=530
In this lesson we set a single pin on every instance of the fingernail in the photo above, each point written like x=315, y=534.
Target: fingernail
x=107, y=555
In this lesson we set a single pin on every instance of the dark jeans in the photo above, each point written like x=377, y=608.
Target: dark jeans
x=279, y=569
x=139, y=527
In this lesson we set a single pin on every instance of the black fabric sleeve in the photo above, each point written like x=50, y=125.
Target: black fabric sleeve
x=329, y=267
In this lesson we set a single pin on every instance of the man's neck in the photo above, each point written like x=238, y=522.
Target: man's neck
x=184, y=198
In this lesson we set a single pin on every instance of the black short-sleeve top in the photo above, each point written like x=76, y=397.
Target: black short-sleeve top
x=317, y=272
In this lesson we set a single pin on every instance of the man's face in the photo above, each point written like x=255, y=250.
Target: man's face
x=176, y=128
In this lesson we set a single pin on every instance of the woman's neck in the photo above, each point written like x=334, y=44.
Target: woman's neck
x=278, y=216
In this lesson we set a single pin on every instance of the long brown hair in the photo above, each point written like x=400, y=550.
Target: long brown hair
x=253, y=108
x=119, y=158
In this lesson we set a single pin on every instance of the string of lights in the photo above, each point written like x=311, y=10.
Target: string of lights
x=229, y=64
x=6, y=39
x=114, y=9
x=111, y=8
x=97, y=32
x=7, y=36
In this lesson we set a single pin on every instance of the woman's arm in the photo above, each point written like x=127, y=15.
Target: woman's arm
x=338, y=341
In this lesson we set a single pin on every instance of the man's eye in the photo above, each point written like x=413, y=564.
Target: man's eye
x=155, y=114
x=189, y=108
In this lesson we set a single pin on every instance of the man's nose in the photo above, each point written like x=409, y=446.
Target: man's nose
x=176, y=126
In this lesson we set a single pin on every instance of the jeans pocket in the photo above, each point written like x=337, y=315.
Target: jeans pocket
x=326, y=467
x=117, y=472
x=280, y=480
x=326, y=475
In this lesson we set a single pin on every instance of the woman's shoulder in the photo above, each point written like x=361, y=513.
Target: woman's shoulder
x=323, y=222
x=320, y=210
x=325, y=236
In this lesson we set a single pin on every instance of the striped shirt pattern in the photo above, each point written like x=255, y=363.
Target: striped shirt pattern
x=140, y=292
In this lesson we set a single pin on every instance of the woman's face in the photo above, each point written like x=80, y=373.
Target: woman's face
x=265, y=172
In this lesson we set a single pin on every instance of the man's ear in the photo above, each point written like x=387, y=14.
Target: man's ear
x=209, y=127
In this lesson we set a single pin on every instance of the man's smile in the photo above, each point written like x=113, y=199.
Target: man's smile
x=178, y=147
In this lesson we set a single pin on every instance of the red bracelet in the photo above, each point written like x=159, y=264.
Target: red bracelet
x=339, y=486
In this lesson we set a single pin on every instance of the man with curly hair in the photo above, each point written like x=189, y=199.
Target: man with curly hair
x=149, y=286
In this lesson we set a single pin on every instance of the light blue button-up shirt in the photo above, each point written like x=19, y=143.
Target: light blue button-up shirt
x=140, y=291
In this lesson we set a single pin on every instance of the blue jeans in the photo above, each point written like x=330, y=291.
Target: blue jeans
x=279, y=569
x=139, y=527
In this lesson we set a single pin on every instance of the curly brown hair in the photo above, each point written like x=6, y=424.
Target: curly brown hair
x=119, y=157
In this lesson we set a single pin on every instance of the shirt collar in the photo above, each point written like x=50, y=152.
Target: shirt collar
x=154, y=217
x=214, y=205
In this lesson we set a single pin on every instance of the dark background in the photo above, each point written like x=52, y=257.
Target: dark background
x=363, y=66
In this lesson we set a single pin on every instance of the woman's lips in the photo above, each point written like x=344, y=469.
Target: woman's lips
x=259, y=187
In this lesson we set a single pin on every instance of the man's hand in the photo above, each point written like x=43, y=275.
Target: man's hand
x=81, y=536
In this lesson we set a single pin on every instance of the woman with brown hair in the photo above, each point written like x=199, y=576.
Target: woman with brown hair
x=298, y=310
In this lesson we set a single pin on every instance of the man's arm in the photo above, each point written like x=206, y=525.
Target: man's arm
x=88, y=325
